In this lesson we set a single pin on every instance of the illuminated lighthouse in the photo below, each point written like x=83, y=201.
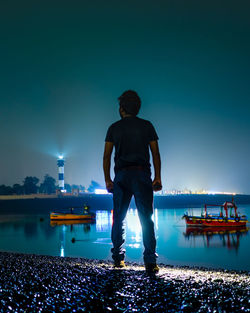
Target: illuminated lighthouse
x=60, y=164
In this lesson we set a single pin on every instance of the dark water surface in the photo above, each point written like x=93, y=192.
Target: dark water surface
x=176, y=244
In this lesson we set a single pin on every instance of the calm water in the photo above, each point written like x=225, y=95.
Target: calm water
x=175, y=244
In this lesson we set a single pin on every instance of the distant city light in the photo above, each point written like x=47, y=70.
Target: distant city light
x=220, y=192
x=194, y=192
x=99, y=191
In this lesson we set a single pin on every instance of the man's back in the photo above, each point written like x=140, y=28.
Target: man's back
x=131, y=136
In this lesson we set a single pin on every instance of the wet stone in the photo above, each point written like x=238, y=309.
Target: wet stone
x=31, y=283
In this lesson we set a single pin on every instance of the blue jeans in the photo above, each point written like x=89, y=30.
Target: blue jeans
x=137, y=183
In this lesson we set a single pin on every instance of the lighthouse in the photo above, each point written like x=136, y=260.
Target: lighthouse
x=60, y=164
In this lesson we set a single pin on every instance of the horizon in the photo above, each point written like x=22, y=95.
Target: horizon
x=101, y=189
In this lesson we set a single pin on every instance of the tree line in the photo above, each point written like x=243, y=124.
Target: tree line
x=48, y=186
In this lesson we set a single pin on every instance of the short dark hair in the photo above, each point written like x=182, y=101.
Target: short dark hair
x=130, y=102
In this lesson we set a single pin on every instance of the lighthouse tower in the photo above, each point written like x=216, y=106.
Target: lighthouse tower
x=60, y=164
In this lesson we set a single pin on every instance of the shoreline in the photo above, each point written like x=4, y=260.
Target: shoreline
x=32, y=283
x=105, y=202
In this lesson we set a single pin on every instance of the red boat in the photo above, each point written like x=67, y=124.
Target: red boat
x=216, y=237
x=227, y=216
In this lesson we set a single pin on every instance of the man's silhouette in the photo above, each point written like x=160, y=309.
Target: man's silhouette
x=132, y=138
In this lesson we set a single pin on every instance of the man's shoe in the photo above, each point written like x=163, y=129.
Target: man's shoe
x=152, y=268
x=119, y=264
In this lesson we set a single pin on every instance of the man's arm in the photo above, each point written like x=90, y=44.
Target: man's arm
x=106, y=165
x=157, y=164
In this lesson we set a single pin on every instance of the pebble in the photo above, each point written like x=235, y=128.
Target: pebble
x=34, y=283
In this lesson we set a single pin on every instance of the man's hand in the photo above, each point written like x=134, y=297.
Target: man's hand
x=157, y=165
x=106, y=165
x=157, y=186
x=109, y=186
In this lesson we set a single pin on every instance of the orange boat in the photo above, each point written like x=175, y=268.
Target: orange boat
x=227, y=216
x=71, y=216
x=71, y=222
x=85, y=215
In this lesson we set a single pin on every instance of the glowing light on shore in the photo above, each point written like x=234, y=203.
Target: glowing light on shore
x=101, y=191
x=221, y=193
x=195, y=192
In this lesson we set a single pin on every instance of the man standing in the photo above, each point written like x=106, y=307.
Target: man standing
x=132, y=138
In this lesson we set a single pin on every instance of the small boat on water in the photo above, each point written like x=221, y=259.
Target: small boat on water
x=216, y=237
x=73, y=216
x=54, y=222
x=213, y=230
x=226, y=216
x=85, y=215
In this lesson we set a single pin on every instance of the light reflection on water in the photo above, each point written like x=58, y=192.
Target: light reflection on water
x=176, y=244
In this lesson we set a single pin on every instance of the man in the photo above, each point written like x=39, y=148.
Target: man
x=132, y=138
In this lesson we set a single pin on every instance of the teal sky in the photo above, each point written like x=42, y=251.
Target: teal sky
x=64, y=63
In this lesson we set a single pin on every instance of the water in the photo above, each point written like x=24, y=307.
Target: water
x=175, y=246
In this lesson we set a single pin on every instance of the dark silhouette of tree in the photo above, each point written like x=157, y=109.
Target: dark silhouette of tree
x=18, y=189
x=30, y=185
x=93, y=185
x=5, y=190
x=67, y=187
x=81, y=188
x=49, y=185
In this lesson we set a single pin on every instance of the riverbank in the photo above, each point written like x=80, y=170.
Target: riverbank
x=32, y=283
x=44, y=205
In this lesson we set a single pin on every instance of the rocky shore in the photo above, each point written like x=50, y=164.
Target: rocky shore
x=32, y=283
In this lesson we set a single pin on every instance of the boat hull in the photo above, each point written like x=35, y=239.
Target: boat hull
x=70, y=222
x=71, y=216
x=214, y=222
x=210, y=230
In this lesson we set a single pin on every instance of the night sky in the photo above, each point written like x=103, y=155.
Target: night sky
x=63, y=64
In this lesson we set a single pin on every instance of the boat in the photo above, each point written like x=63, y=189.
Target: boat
x=71, y=216
x=85, y=215
x=216, y=237
x=213, y=230
x=55, y=222
x=226, y=216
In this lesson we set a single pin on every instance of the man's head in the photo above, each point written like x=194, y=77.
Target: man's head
x=130, y=102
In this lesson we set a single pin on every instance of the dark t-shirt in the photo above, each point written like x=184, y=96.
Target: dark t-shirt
x=131, y=137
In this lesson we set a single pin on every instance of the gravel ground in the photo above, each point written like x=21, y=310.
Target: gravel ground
x=32, y=283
